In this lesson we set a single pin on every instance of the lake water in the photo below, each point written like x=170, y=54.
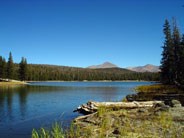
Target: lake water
x=42, y=103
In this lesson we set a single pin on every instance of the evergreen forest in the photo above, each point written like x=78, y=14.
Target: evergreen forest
x=38, y=72
x=172, y=62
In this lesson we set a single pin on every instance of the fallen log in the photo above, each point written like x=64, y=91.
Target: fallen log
x=92, y=107
x=83, y=117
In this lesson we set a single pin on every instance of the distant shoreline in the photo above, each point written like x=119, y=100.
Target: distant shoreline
x=9, y=83
x=95, y=81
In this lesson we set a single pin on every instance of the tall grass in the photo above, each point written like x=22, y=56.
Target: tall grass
x=55, y=132
x=121, y=123
x=159, y=88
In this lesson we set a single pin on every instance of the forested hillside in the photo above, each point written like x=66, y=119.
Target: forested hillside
x=45, y=72
x=39, y=72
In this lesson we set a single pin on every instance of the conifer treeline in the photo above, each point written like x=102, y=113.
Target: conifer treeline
x=33, y=72
x=10, y=70
x=172, y=62
x=47, y=72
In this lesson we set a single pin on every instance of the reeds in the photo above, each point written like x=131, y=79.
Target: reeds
x=158, y=88
x=55, y=132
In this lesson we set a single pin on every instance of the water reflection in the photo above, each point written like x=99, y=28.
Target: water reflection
x=15, y=104
x=13, y=97
x=9, y=104
x=106, y=93
x=2, y=104
x=26, y=107
x=22, y=101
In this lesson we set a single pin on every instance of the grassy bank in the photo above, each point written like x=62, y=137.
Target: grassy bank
x=143, y=123
x=11, y=83
x=158, y=88
x=160, y=92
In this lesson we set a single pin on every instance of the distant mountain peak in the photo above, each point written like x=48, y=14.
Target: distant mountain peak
x=107, y=62
x=149, y=65
x=146, y=68
x=103, y=65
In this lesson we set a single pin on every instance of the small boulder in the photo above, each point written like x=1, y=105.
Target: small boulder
x=176, y=103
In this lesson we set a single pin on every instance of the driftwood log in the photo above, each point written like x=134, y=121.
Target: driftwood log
x=92, y=107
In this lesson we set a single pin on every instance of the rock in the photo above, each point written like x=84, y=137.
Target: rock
x=160, y=107
x=176, y=103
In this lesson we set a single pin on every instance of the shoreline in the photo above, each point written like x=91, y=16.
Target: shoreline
x=162, y=119
x=95, y=81
x=11, y=83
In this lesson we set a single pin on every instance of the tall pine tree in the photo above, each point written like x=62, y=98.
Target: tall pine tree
x=172, y=67
x=10, y=67
x=167, y=56
x=176, y=40
x=181, y=75
x=2, y=67
x=23, y=69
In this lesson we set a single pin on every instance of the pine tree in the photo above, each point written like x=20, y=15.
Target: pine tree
x=181, y=75
x=177, y=52
x=172, y=67
x=167, y=56
x=2, y=67
x=10, y=67
x=23, y=69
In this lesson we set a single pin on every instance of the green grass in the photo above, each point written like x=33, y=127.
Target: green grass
x=126, y=123
x=159, y=88
x=101, y=111
x=129, y=125
x=55, y=132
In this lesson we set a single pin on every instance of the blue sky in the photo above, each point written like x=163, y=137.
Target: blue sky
x=86, y=32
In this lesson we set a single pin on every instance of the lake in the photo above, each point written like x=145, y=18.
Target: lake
x=40, y=104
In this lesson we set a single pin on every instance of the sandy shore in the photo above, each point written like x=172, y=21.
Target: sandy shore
x=12, y=83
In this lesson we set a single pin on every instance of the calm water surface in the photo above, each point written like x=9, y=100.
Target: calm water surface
x=42, y=103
